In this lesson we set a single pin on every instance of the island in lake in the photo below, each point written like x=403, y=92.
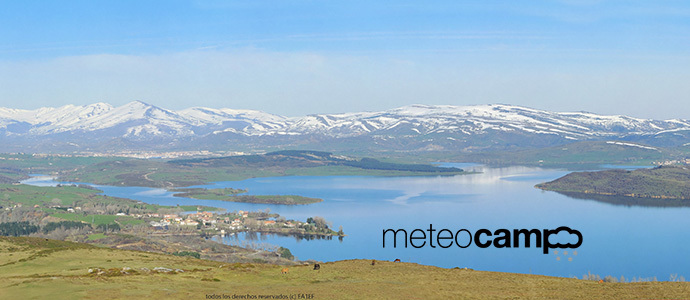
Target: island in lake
x=230, y=194
x=663, y=182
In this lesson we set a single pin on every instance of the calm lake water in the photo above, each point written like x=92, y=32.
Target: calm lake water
x=633, y=241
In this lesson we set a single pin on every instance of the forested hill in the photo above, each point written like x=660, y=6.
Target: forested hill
x=307, y=158
x=667, y=182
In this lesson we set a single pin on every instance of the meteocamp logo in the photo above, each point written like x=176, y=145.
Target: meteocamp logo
x=482, y=238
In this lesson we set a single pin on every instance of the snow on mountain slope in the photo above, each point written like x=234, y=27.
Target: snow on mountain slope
x=234, y=120
x=217, y=116
x=140, y=120
x=53, y=120
x=144, y=118
x=479, y=119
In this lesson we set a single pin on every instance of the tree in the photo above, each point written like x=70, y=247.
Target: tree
x=285, y=253
x=108, y=227
x=17, y=228
x=320, y=222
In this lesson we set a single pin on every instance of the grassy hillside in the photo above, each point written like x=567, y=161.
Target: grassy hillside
x=32, y=268
x=46, y=198
x=660, y=182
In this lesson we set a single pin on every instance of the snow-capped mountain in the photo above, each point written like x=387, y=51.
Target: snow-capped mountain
x=414, y=127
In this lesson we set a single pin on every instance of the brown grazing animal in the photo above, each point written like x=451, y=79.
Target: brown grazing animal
x=317, y=266
x=397, y=260
x=284, y=271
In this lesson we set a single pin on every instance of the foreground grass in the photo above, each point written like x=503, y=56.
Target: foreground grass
x=33, y=268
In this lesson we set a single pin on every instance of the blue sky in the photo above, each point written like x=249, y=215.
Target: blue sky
x=302, y=57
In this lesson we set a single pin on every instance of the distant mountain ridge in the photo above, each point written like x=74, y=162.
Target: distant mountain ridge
x=138, y=125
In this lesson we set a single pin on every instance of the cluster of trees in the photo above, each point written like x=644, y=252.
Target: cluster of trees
x=17, y=228
x=108, y=227
x=318, y=224
x=55, y=230
x=64, y=225
x=82, y=186
x=110, y=208
x=285, y=253
x=19, y=214
x=96, y=207
x=187, y=253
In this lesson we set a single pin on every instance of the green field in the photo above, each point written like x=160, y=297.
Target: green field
x=95, y=236
x=33, y=195
x=98, y=219
x=32, y=268
x=47, y=164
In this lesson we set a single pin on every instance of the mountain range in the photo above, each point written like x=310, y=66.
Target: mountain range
x=141, y=126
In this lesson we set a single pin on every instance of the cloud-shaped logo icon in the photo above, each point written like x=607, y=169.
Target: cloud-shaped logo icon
x=548, y=245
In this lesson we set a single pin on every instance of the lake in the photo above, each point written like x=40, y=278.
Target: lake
x=632, y=241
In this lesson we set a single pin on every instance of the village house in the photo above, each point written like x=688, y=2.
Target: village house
x=155, y=224
x=189, y=222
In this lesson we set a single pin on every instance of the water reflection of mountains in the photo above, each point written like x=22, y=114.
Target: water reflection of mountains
x=629, y=201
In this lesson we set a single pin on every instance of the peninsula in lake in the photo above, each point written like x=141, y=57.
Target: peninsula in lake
x=663, y=182
x=230, y=194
